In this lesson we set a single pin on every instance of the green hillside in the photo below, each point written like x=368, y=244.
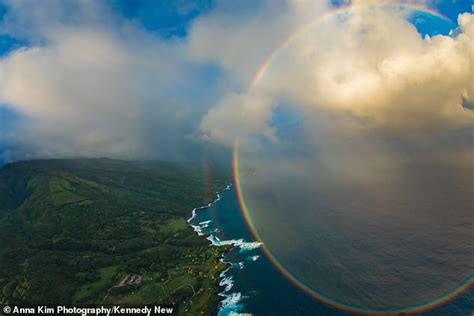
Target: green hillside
x=101, y=231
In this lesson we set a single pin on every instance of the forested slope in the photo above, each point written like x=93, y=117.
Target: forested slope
x=93, y=231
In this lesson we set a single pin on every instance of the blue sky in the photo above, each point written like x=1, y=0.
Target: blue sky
x=168, y=18
x=451, y=9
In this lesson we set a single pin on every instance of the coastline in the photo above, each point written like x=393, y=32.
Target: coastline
x=228, y=302
x=221, y=287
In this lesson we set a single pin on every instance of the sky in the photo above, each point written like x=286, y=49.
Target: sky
x=185, y=79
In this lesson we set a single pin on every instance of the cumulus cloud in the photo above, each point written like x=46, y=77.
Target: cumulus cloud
x=238, y=118
x=380, y=69
x=373, y=64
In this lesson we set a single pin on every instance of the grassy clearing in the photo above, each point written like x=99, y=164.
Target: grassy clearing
x=62, y=192
x=174, y=226
x=106, y=278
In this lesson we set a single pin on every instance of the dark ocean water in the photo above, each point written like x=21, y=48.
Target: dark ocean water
x=254, y=286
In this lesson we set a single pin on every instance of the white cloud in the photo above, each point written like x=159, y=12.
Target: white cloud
x=238, y=118
x=95, y=92
x=239, y=38
x=374, y=65
x=94, y=84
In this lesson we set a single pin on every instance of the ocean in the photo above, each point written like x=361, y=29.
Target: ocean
x=254, y=286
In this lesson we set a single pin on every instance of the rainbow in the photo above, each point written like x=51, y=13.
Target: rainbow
x=426, y=306
x=394, y=5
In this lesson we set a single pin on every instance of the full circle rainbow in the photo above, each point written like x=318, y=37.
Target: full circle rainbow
x=428, y=305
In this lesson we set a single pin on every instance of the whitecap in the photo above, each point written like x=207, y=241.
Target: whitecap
x=253, y=258
x=193, y=215
x=227, y=283
x=240, y=243
x=230, y=303
x=197, y=229
x=247, y=246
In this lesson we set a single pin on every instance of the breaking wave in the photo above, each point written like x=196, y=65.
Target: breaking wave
x=231, y=304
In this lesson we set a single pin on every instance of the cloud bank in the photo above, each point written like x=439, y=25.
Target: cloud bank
x=92, y=83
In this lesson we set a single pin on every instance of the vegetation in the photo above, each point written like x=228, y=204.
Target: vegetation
x=101, y=231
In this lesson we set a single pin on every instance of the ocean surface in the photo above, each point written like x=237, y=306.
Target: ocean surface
x=253, y=285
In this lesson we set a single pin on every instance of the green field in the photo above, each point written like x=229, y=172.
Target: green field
x=76, y=232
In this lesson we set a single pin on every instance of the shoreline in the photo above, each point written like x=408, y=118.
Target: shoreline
x=222, y=288
x=228, y=301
